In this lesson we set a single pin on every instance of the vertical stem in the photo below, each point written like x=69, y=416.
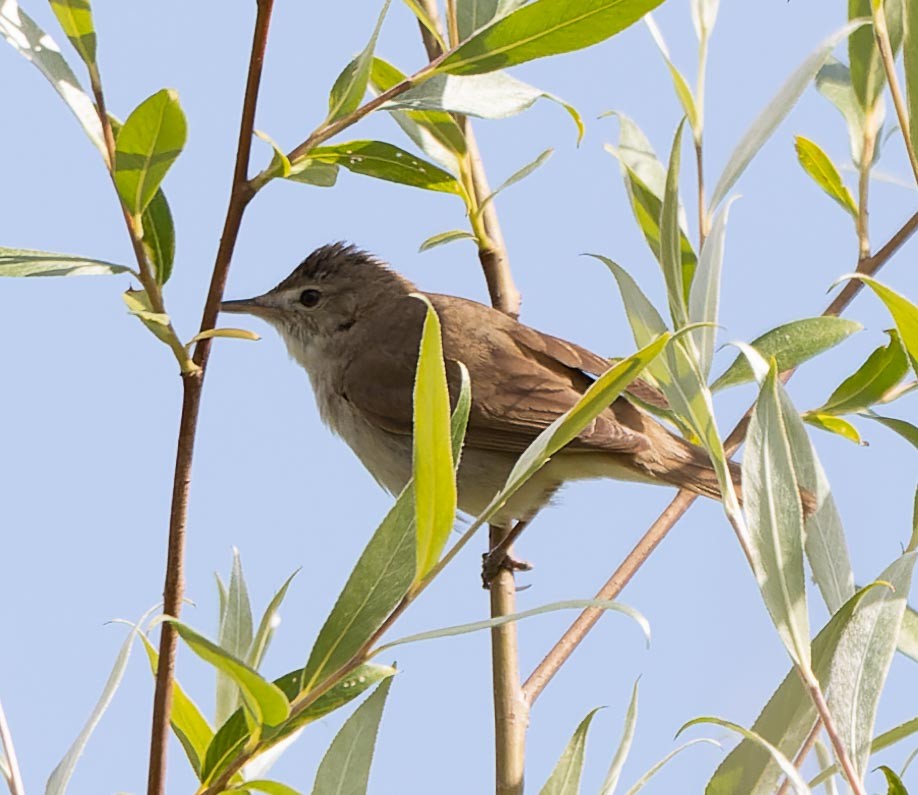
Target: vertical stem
x=841, y=753
x=192, y=384
x=6, y=744
x=863, y=185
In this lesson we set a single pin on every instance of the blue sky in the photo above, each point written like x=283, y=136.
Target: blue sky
x=89, y=411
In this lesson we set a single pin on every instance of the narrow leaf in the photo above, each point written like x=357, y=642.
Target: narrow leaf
x=266, y=701
x=867, y=73
x=280, y=164
x=678, y=279
x=910, y=66
x=351, y=85
x=681, y=86
x=903, y=312
x=270, y=787
x=517, y=176
x=311, y=172
x=775, y=112
x=148, y=144
x=905, y=429
x=25, y=262
x=443, y=238
x=894, y=785
x=30, y=41
x=771, y=495
x=548, y=27
x=138, y=304
x=424, y=18
x=790, y=345
x=643, y=780
x=565, y=778
x=159, y=236
x=267, y=625
x=75, y=17
x=704, y=14
x=234, y=636
x=229, y=333
x=822, y=170
x=833, y=424
x=833, y=81
x=345, y=768
x=624, y=746
x=385, y=161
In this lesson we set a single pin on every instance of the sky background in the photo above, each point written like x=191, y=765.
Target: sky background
x=90, y=402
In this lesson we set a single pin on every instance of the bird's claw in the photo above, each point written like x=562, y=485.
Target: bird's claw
x=492, y=562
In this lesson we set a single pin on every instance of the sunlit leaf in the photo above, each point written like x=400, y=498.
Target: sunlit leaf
x=229, y=333
x=25, y=262
x=905, y=429
x=678, y=279
x=30, y=41
x=159, y=236
x=833, y=424
x=548, y=27
x=148, y=144
x=624, y=746
x=894, y=785
x=903, y=312
x=346, y=764
x=867, y=73
x=680, y=84
x=434, y=478
x=822, y=170
x=565, y=778
x=443, y=238
x=910, y=66
x=351, y=85
x=385, y=161
x=75, y=17
x=234, y=636
x=138, y=304
x=280, y=164
x=704, y=14
x=774, y=113
x=790, y=345
x=312, y=172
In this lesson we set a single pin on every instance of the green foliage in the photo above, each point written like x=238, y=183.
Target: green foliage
x=565, y=778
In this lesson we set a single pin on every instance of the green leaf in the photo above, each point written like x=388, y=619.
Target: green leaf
x=624, y=746
x=833, y=81
x=311, y=172
x=149, y=142
x=351, y=85
x=159, y=236
x=458, y=423
x=905, y=429
x=833, y=424
x=787, y=719
x=515, y=177
x=75, y=17
x=771, y=497
x=867, y=74
x=894, y=785
x=473, y=15
x=443, y=238
x=433, y=131
x=863, y=659
x=385, y=161
x=548, y=27
x=280, y=163
x=596, y=399
x=881, y=741
x=681, y=86
x=704, y=296
x=908, y=635
x=30, y=41
x=264, y=700
x=910, y=66
x=234, y=636
x=228, y=741
x=678, y=279
x=434, y=476
x=424, y=18
x=381, y=577
x=645, y=183
x=496, y=95
x=871, y=382
x=565, y=778
x=270, y=787
x=822, y=170
x=138, y=304
x=188, y=722
x=786, y=766
x=903, y=312
x=267, y=625
x=60, y=776
x=230, y=333
x=346, y=764
x=643, y=780
x=475, y=626
x=790, y=345
x=25, y=262
x=774, y=113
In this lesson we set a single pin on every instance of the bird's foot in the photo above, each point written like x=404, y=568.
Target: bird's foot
x=496, y=560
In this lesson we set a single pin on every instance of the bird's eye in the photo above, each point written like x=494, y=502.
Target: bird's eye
x=310, y=298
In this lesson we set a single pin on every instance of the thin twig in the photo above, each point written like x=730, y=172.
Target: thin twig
x=841, y=753
x=6, y=744
x=576, y=632
x=802, y=754
x=889, y=65
x=192, y=383
x=863, y=186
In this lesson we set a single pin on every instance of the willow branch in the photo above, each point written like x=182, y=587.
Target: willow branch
x=192, y=382
x=578, y=630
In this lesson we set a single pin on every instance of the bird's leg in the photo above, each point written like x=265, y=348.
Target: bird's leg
x=498, y=558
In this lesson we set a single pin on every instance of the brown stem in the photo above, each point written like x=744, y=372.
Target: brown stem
x=802, y=754
x=576, y=632
x=841, y=753
x=192, y=384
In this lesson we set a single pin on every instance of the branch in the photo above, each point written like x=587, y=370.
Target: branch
x=578, y=630
x=192, y=383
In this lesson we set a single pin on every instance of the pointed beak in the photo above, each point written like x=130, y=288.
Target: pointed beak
x=265, y=306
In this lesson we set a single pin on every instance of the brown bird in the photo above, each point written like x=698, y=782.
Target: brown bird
x=352, y=323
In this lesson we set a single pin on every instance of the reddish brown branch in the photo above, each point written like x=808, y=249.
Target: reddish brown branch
x=173, y=591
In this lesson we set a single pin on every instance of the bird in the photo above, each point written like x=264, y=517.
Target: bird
x=354, y=324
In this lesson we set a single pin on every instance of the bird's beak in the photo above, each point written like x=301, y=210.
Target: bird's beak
x=265, y=306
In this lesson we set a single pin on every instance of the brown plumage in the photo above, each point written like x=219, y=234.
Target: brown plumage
x=359, y=343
